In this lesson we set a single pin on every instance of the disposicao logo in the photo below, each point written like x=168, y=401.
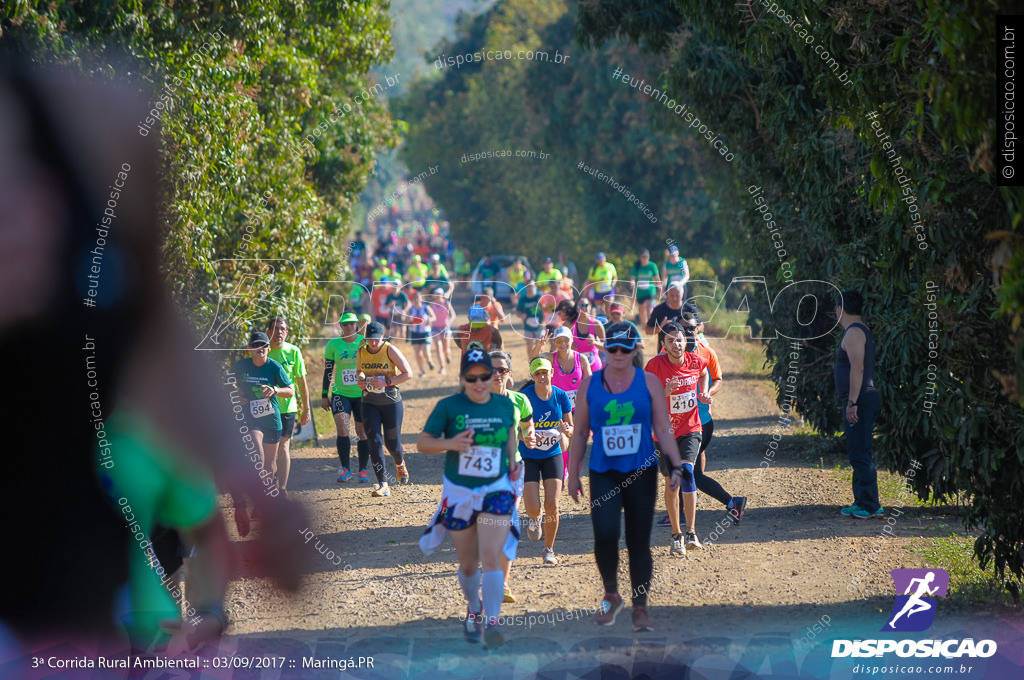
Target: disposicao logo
x=914, y=611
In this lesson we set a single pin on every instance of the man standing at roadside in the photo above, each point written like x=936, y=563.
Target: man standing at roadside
x=296, y=406
x=855, y=386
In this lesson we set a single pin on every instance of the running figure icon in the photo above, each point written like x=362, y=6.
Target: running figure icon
x=915, y=604
x=916, y=586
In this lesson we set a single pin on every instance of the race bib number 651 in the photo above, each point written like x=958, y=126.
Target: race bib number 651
x=620, y=440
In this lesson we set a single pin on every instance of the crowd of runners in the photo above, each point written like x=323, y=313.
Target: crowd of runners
x=585, y=381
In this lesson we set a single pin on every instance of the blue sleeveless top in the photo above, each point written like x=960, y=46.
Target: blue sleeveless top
x=622, y=426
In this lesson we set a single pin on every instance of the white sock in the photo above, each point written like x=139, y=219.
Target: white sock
x=494, y=592
x=471, y=589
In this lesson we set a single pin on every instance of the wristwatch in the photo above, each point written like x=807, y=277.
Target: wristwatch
x=851, y=403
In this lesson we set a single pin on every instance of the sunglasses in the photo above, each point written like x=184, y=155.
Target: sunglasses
x=502, y=371
x=482, y=377
x=617, y=349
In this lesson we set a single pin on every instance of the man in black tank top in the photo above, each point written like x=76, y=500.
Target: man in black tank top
x=855, y=387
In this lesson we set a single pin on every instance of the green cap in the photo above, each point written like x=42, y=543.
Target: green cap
x=348, y=317
x=539, y=364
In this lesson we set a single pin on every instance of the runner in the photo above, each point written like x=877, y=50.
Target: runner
x=567, y=267
x=550, y=301
x=463, y=269
x=543, y=461
x=532, y=314
x=437, y=274
x=735, y=505
x=615, y=315
x=517, y=274
x=422, y=318
x=476, y=430
x=548, y=273
x=345, y=400
x=396, y=301
x=261, y=381
x=501, y=364
x=589, y=343
x=290, y=357
x=647, y=285
x=601, y=282
x=441, y=328
x=379, y=302
x=668, y=311
x=674, y=270
x=683, y=374
x=495, y=312
x=568, y=370
x=417, y=273
x=489, y=272
x=383, y=271
x=622, y=405
x=477, y=329
x=381, y=368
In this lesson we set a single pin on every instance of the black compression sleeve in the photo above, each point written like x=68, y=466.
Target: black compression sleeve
x=328, y=372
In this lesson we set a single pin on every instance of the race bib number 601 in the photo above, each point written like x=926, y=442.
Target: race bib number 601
x=620, y=440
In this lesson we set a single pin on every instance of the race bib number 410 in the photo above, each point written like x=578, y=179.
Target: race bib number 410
x=480, y=461
x=620, y=440
x=683, y=403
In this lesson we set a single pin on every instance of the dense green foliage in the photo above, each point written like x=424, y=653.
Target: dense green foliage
x=270, y=73
x=571, y=111
x=804, y=136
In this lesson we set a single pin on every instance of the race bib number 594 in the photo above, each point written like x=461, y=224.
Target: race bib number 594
x=620, y=440
x=260, y=408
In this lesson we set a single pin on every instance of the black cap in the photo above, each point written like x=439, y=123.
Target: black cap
x=374, y=331
x=258, y=339
x=475, y=355
x=621, y=334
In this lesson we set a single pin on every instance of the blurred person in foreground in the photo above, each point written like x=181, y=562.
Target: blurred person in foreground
x=88, y=313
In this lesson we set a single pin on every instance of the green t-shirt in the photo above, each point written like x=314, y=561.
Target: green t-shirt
x=344, y=355
x=524, y=411
x=251, y=379
x=645, y=275
x=492, y=425
x=290, y=357
x=490, y=272
x=150, y=483
x=530, y=306
x=675, y=272
x=400, y=300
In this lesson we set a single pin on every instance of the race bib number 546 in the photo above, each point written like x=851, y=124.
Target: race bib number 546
x=620, y=440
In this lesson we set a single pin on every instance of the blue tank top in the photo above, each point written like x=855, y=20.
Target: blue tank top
x=842, y=371
x=622, y=426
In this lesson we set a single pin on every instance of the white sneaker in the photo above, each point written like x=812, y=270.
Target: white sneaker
x=691, y=541
x=549, y=556
x=677, y=545
x=533, y=530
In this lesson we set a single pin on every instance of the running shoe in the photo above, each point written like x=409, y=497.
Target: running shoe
x=344, y=474
x=533, y=530
x=641, y=622
x=549, y=556
x=492, y=634
x=664, y=522
x=861, y=513
x=677, y=545
x=610, y=607
x=381, y=490
x=691, y=541
x=431, y=363
x=363, y=477
x=471, y=627
x=739, y=504
x=509, y=597
x=849, y=510
x=403, y=474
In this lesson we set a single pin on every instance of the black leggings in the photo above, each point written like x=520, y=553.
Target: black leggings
x=386, y=419
x=705, y=483
x=611, y=493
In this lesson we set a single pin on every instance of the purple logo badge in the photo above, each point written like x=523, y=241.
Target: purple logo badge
x=914, y=611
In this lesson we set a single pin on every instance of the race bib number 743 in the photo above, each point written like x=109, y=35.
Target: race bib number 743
x=480, y=461
x=620, y=440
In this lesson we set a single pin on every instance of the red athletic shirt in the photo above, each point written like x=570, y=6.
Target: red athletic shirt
x=682, y=405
